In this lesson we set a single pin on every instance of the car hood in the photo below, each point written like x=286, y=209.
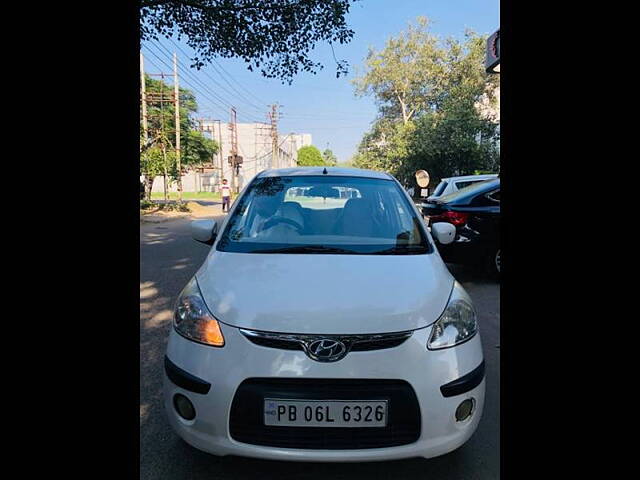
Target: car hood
x=325, y=294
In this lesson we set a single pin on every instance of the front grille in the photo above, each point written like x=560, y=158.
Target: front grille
x=246, y=422
x=354, y=343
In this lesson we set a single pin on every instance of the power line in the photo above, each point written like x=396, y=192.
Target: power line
x=192, y=75
x=247, y=101
x=205, y=86
x=221, y=105
x=239, y=84
x=221, y=102
x=164, y=63
x=258, y=108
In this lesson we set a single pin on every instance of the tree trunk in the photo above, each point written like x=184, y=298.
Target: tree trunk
x=404, y=111
x=149, y=185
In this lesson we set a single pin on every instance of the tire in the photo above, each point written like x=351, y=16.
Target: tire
x=493, y=263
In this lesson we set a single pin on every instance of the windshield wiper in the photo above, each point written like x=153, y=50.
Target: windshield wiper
x=305, y=249
x=402, y=250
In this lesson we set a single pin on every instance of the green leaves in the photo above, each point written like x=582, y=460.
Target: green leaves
x=197, y=149
x=158, y=156
x=438, y=107
x=329, y=158
x=310, y=156
x=272, y=36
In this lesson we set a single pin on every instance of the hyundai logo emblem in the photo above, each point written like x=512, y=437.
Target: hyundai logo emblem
x=326, y=350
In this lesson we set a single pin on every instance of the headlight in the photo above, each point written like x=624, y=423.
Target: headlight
x=457, y=324
x=193, y=320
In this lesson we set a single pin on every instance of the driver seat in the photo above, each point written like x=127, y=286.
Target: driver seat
x=292, y=211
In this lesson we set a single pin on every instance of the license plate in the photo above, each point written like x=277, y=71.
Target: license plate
x=325, y=413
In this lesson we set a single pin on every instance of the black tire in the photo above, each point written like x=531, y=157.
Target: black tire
x=493, y=263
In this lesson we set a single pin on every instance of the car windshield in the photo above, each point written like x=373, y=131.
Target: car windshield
x=324, y=214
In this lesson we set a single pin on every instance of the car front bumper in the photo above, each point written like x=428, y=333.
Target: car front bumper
x=426, y=371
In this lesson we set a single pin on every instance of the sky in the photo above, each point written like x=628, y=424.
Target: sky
x=322, y=105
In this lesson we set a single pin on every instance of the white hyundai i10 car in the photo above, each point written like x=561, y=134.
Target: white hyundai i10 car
x=324, y=326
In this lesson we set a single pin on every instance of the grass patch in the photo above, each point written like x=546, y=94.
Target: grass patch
x=187, y=196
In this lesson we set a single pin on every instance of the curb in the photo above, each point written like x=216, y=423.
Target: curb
x=151, y=218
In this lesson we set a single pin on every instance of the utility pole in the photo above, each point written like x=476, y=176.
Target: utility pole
x=177, y=110
x=233, y=159
x=220, y=150
x=164, y=147
x=145, y=128
x=273, y=117
x=159, y=134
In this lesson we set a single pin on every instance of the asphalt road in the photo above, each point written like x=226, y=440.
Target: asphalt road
x=168, y=259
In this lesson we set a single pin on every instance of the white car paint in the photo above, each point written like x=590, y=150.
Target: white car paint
x=456, y=183
x=338, y=294
x=267, y=292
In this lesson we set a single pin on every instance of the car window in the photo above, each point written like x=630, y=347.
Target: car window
x=466, y=183
x=351, y=214
x=440, y=188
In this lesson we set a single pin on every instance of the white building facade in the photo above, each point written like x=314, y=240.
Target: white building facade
x=254, y=145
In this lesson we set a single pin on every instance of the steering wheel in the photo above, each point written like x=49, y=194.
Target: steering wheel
x=273, y=221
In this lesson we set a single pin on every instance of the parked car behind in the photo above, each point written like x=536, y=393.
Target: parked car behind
x=475, y=212
x=453, y=184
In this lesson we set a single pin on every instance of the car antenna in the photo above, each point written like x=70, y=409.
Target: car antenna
x=325, y=171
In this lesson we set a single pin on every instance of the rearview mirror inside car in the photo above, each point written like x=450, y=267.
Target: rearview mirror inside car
x=204, y=231
x=443, y=232
x=323, y=191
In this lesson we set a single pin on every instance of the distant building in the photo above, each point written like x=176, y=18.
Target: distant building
x=255, y=146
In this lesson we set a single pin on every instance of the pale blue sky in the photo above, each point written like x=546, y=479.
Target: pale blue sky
x=322, y=104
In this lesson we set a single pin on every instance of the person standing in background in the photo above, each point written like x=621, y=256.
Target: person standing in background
x=225, y=191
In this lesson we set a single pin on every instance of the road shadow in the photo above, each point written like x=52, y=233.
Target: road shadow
x=168, y=259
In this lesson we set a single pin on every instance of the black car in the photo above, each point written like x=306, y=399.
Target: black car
x=475, y=212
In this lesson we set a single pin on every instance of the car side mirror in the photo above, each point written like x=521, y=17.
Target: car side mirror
x=443, y=232
x=204, y=231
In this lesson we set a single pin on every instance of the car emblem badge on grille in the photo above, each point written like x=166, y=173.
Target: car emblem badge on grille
x=326, y=350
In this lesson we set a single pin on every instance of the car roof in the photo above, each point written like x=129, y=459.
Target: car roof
x=471, y=177
x=335, y=171
x=466, y=193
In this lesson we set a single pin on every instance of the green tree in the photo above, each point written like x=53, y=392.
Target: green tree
x=155, y=161
x=157, y=156
x=329, y=158
x=310, y=156
x=274, y=36
x=157, y=111
x=459, y=137
x=385, y=146
x=197, y=150
x=406, y=77
x=428, y=93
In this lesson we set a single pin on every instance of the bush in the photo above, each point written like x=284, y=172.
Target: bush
x=165, y=207
x=146, y=205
